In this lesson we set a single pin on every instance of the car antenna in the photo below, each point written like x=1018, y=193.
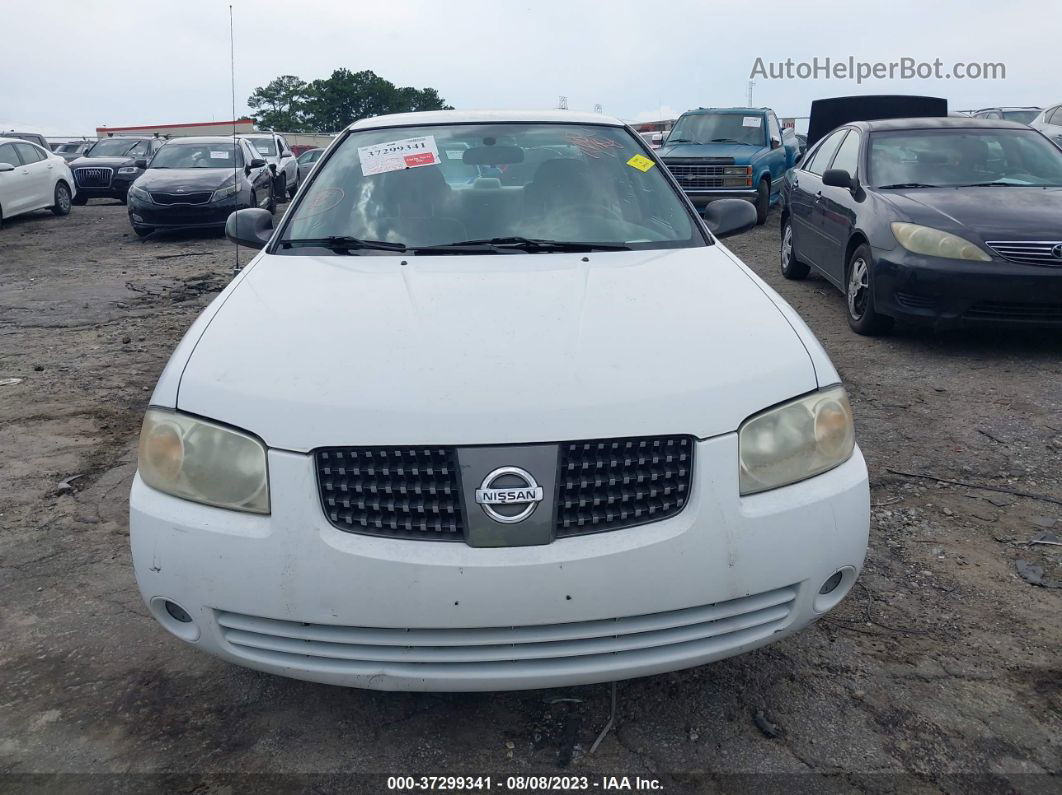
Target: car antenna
x=235, y=145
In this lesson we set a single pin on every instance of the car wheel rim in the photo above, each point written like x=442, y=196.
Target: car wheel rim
x=858, y=288
x=787, y=247
x=64, y=199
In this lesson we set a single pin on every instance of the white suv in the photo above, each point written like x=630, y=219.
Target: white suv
x=494, y=409
x=272, y=148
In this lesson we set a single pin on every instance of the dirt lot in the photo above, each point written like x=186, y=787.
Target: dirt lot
x=941, y=671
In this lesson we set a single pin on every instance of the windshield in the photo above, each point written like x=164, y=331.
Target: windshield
x=114, y=147
x=218, y=155
x=67, y=147
x=705, y=128
x=1024, y=116
x=950, y=158
x=264, y=146
x=437, y=185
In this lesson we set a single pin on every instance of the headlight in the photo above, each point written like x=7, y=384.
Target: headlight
x=203, y=462
x=128, y=170
x=223, y=193
x=937, y=243
x=141, y=194
x=794, y=441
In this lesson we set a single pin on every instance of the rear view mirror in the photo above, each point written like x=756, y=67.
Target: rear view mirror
x=493, y=155
x=251, y=227
x=837, y=178
x=141, y=163
x=726, y=217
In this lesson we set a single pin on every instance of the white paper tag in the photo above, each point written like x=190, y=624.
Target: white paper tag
x=750, y=121
x=455, y=154
x=219, y=155
x=263, y=149
x=398, y=155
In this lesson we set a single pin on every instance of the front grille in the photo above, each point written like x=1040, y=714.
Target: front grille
x=181, y=198
x=515, y=651
x=607, y=484
x=400, y=492
x=93, y=177
x=1029, y=252
x=702, y=174
x=1015, y=312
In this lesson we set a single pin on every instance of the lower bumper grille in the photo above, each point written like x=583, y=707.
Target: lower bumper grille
x=1015, y=312
x=553, y=647
x=181, y=198
x=913, y=301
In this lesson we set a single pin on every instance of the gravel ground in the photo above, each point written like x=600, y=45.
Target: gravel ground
x=940, y=672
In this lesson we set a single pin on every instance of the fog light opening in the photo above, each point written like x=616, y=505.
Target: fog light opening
x=180, y=614
x=830, y=584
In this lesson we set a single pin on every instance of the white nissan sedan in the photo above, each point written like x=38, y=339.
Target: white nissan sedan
x=32, y=178
x=492, y=409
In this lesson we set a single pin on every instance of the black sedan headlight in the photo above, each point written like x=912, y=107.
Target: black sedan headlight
x=223, y=193
x=141, y=194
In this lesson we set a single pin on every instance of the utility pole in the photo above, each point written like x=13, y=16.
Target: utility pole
x=752, y=84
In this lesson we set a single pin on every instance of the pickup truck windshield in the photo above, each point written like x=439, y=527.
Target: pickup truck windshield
x=490, y=186
x=963, y=157
x=730, y=128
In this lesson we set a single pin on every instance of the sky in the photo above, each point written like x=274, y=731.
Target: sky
x=77, y=64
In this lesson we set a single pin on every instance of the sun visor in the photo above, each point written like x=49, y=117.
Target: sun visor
x=828, y=114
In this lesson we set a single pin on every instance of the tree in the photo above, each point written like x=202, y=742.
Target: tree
x=279, y=104
x=330, y=104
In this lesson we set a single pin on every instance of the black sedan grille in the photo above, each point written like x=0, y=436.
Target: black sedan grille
x=93, y=177
x=607, y=484
x=401, y=492
x=1029, y=252
x=181, y=198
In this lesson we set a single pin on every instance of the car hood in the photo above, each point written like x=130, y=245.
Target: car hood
x=984, y=213
x=184, y=180
x=740, y=153
x=313, y=351
x=103, y=162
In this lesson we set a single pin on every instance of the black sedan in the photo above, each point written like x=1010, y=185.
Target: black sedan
x=938, y=221
x=195, y=183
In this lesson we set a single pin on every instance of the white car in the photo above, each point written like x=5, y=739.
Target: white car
x=33, y=178
x=518, y=422
x=1049, y=122
x=272, y=148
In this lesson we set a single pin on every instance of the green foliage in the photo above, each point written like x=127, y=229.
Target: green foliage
x=290, y=104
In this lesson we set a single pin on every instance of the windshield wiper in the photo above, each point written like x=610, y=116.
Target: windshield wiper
x=342, y=243
x=523, y=244
x=909, y=185
x=730, y=141
x=680, y=141
x=992, y=185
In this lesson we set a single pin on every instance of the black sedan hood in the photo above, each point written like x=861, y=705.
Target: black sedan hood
x=990, y=213
x=184, y=180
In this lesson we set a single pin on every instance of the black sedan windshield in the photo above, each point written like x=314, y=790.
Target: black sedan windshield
x=491, y=184
x=217, y=155
x=964, y=156
x=705, y=128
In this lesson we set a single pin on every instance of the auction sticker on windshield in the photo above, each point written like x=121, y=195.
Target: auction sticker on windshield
x=750, y=121
x=397, y=155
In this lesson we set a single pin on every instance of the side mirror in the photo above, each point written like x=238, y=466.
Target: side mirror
x=284, y=155
x=775, y=143
x=251, y=227
x=798, y=159
x=141, y=163
x=6, y=167
x=658, y=139
x=258, y=163
x=726, y=217
x=838, y=178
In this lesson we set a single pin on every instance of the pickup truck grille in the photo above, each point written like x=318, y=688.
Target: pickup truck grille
x=702, y=174
x=93, y=177
x=607, y=484
x=416, y=492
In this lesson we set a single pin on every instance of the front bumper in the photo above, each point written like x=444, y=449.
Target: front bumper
x=118, y=189
x=951, y=293
x=182, y=216
x=703, y=196
x=291, y=595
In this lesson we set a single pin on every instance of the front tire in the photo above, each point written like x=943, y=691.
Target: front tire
x=62, y=199
x=294, y=188
x=763, y=202
x=863, y=318
x=792, y=268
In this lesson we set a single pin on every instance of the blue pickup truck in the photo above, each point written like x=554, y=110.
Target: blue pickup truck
x=730, y=153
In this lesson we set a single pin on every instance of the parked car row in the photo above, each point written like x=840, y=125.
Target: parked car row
x=33, y=178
